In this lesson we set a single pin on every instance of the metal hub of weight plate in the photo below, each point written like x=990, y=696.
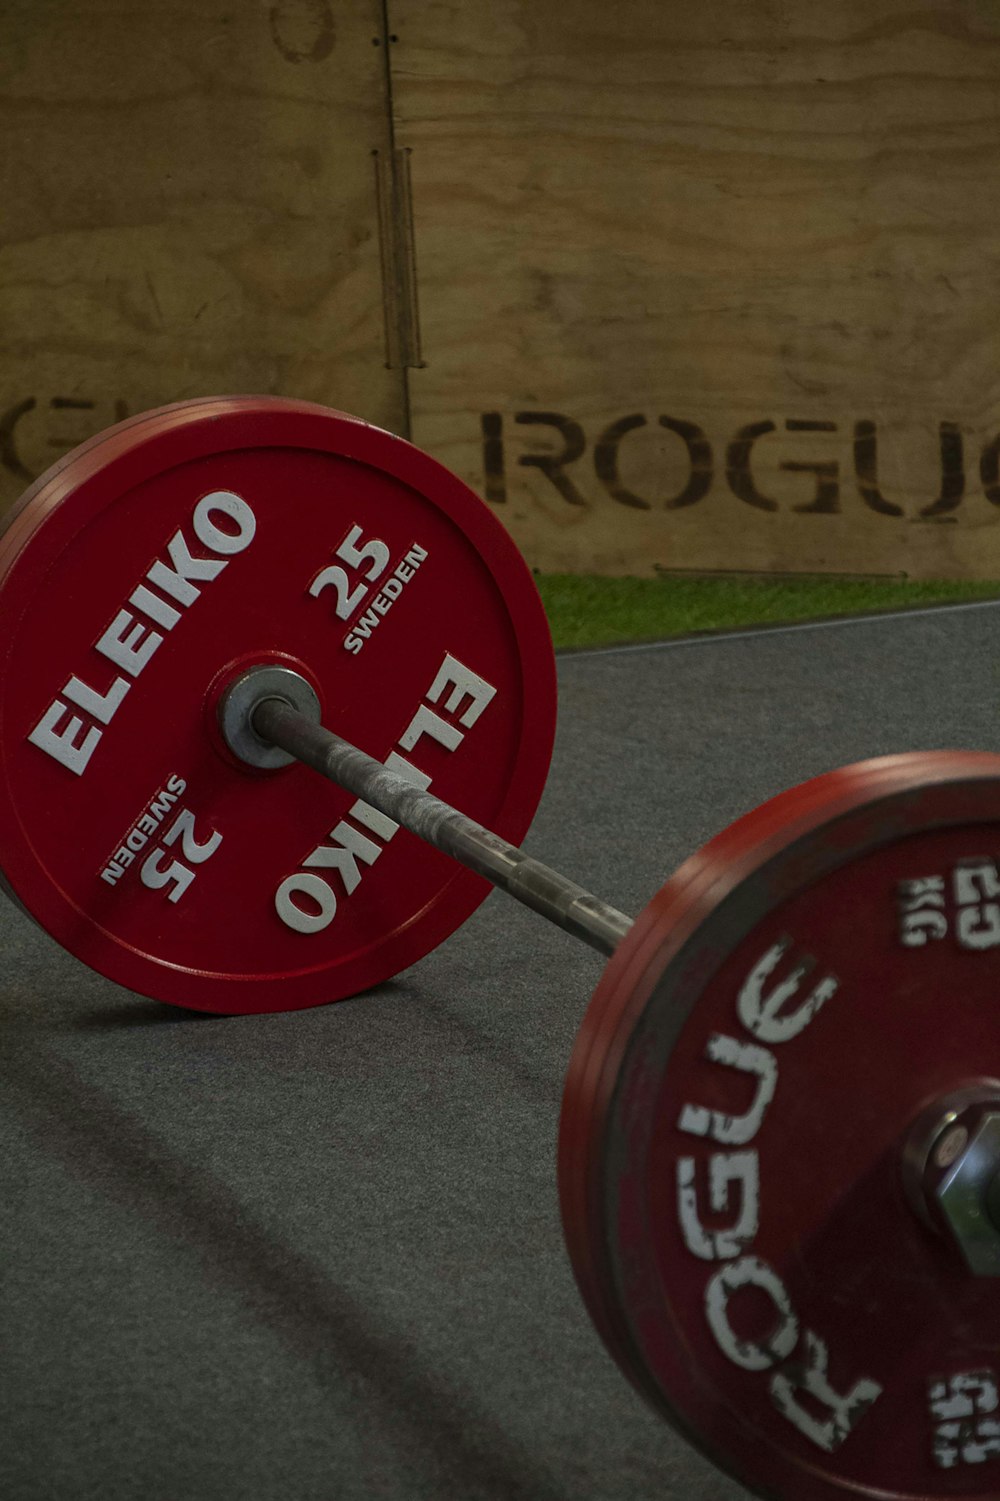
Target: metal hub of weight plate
x=138, y=578
x=735, y=1131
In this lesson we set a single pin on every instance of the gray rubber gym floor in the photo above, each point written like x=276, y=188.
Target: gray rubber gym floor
x=319, y=1255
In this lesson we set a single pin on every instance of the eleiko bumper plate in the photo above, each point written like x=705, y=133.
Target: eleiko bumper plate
x=147, y=570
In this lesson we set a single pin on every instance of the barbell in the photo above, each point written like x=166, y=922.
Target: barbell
x=780, y=1134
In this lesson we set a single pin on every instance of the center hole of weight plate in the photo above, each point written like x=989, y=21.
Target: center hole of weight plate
x=245, y=695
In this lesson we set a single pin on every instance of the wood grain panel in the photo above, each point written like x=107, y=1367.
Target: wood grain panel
x=747, y=257
x=190, y=207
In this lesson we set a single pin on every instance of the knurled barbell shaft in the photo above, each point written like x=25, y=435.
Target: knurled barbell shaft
x=536, y=885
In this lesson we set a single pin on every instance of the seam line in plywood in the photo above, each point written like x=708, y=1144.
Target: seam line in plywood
x=394, y=194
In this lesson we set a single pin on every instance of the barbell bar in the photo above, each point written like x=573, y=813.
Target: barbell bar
x=275, y=721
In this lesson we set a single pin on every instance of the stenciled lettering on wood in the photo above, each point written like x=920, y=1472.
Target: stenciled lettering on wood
x=733, y=464
x=707, y=466
x=58, y=436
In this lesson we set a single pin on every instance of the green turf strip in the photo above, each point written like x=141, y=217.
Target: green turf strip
x=585, y=610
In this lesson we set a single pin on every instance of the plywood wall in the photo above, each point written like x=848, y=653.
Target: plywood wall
x=693, y=287
x=712, y=286
x=189, y=207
